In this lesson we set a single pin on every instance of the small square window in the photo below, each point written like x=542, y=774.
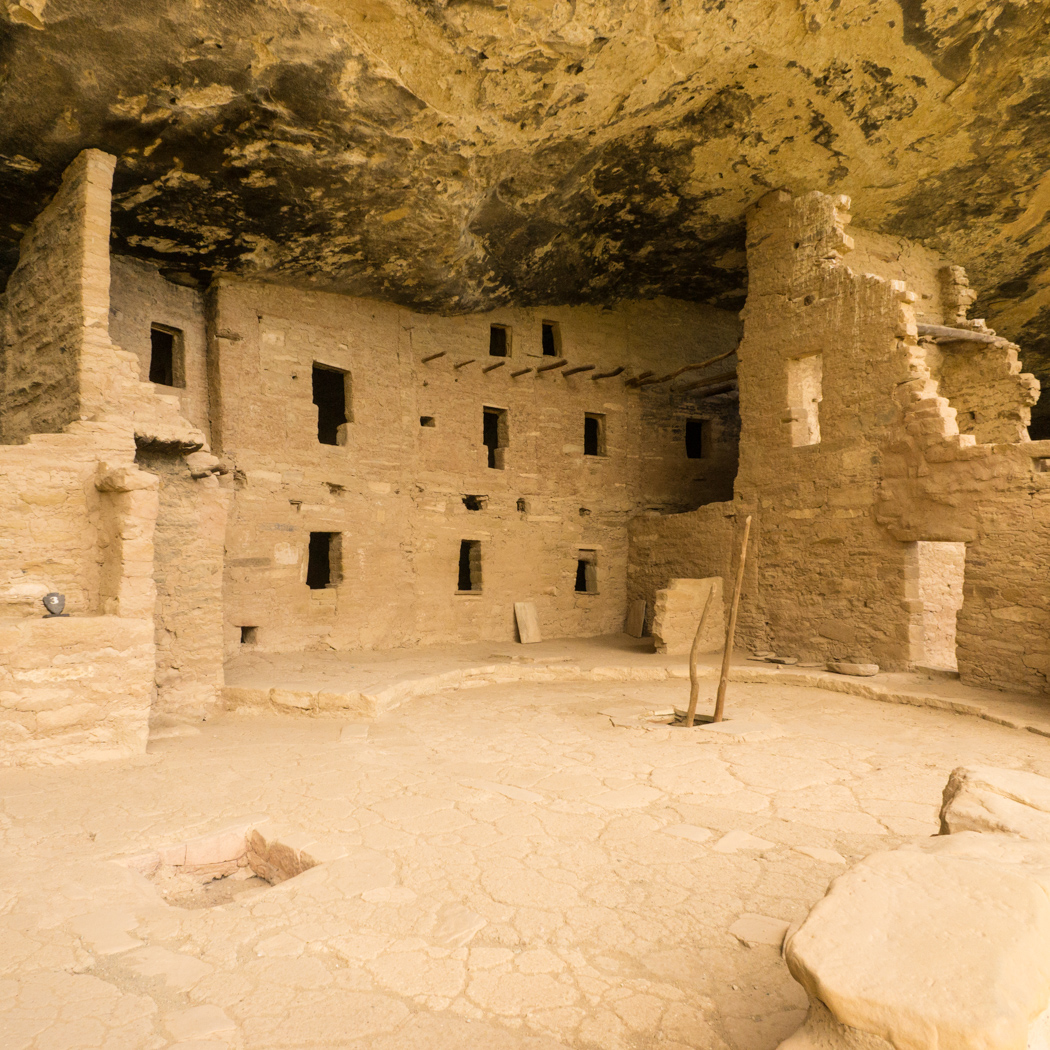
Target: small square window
x=587, y=572
x=249, y=635
x=593, y=434
x=550, y=339
x=426, y=421
x=499, y=340
x=166, y=356
x=469, y=565
x=323, y=563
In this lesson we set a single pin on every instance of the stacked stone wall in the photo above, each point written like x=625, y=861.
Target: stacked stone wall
x=394, y=489
x=47, y=307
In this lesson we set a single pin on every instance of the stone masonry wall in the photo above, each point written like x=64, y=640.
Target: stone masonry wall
x=187, y=571
x=140, y=297
x=46, y=309
x=395, y=489
x=848, y=478
x=76, y=513
x=74, y=688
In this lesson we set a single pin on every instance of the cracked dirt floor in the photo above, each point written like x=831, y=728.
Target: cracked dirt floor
x=519, y=872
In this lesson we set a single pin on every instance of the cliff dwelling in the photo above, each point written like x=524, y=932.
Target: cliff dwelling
x=421, y=421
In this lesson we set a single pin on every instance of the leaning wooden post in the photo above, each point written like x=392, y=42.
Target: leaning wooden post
x=728, y=654
x=694, y=676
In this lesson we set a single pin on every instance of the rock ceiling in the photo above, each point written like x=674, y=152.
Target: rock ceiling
x=455, y=154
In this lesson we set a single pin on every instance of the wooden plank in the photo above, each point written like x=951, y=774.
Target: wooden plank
x=636, y=618
x=528, y=622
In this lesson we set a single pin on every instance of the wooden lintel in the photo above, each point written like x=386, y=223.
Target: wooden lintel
x=724, y=377
x=702, y=364
x=942, y=334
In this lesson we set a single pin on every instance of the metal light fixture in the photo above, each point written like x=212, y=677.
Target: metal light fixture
x=54, y=603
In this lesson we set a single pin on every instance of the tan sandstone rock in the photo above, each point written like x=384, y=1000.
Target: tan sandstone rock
x=984, y=798
x=944, y=945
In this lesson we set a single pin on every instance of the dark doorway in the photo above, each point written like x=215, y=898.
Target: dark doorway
x=694, y=438
x=494, y=435
x=550, y=339
x=164, y=358
x=469, y=565
x=587, y=572
x=593, y=435
x=322, y=560
x=330, y=398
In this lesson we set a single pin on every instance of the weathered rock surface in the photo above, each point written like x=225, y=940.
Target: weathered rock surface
x=983, y=798
x=945, y=944
x=459, y=155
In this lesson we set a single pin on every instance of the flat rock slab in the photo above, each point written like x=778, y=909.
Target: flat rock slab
x=636, y=618
x=827, y=856
x=858, y=670
x=945, y=943
x=456, y=926
x=737, y=840
x=760, y=929
x=528, y=623
x=986, y=798
x=740, y=732
x=687, y=831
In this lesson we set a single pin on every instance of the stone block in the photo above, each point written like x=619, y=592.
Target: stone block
x=677, y=615
x=985, y=798
x=292, y=698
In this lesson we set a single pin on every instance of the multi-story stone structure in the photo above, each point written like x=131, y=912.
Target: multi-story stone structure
x=204, y=469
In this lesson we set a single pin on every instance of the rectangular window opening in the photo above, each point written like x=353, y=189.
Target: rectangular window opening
x=426, y=421
x=593, y=434
x=499, y=340
x=323, y=563
x=550, y=338
x=165, y=357
x=696, y=438
x=469, y=565
x=587, y=572
x=804, y=379
x=330, y=387
x=249, y=635
x=494, y=435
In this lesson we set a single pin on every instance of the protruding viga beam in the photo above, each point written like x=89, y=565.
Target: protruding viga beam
x=942, y=334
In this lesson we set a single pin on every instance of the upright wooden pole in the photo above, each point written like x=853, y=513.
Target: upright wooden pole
x=728, y=654
x=694, y=676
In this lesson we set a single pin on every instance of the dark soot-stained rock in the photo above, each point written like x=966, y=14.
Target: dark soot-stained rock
x=453, y=155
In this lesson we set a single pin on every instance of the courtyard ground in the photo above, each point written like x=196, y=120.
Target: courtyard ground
x=517, y=871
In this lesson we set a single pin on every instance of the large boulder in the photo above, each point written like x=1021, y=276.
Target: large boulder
x=984, y=798
x=944, y=945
